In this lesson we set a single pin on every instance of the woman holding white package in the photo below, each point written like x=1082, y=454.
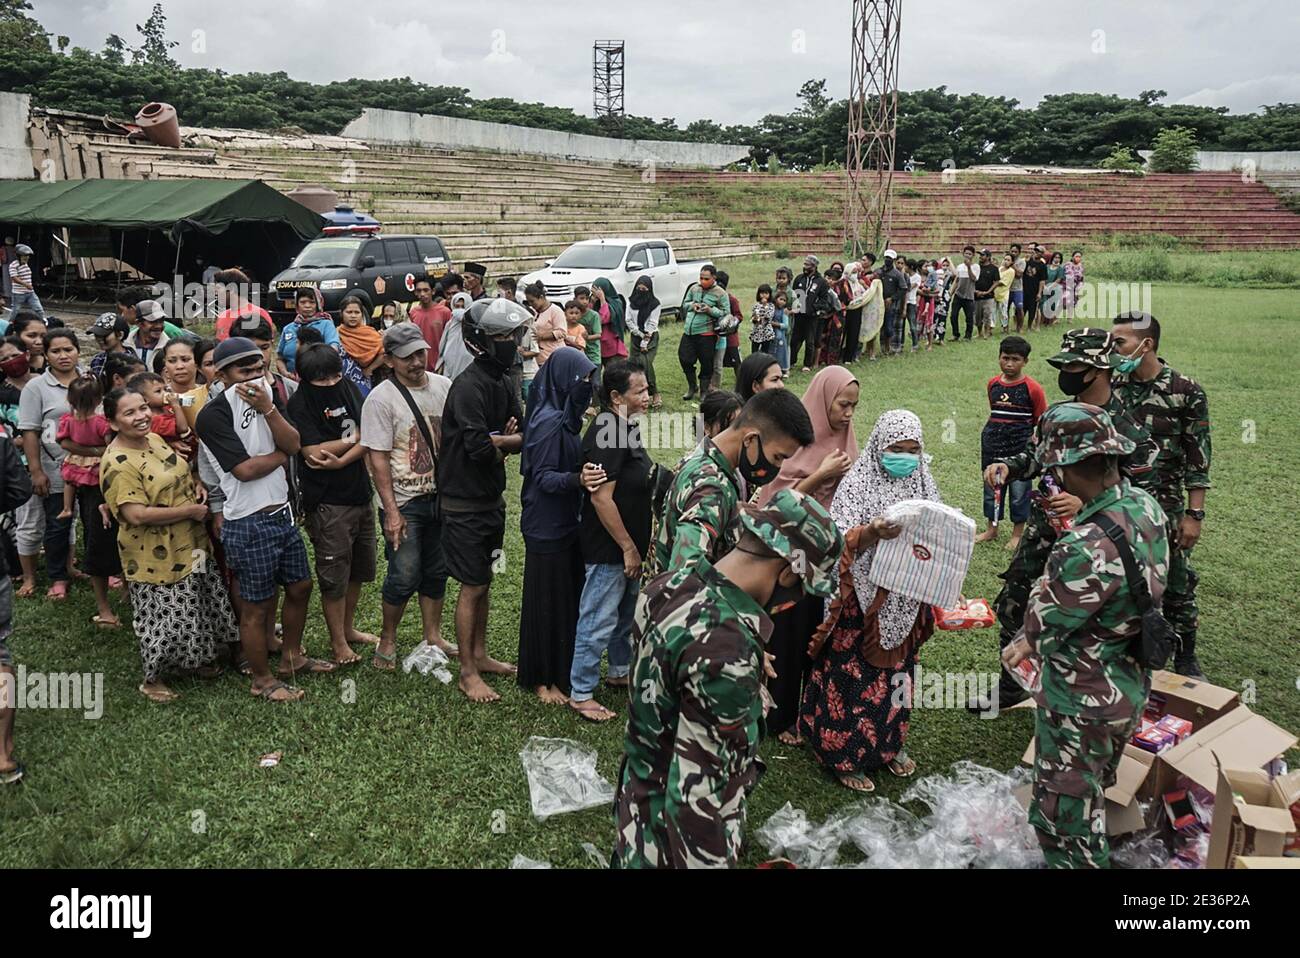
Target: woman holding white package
x=857, y=699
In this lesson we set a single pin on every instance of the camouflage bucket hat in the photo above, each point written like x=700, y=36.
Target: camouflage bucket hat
x=799, y=529
x=1089, y=345
x=1074, y=431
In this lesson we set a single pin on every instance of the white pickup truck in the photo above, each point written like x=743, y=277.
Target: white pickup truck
x=620, y=260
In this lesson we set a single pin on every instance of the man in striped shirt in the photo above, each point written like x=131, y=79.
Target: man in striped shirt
x=20, y=279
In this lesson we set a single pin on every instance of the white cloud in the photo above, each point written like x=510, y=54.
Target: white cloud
x=1247, y=96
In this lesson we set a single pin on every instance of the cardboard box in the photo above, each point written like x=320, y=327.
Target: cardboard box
x=1239, y=740
x=1199, y=702
x=1123, y=813
x=1254, y=861
x=1252, y=815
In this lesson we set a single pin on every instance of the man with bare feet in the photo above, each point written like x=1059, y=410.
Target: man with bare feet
x=403, y=452
x=480, y=427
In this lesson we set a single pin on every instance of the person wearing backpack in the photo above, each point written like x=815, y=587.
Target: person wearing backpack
x=1093, y=628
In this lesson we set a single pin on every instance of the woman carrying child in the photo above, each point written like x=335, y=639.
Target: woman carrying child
x=84, y=426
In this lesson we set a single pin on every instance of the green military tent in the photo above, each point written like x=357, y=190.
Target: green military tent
x=163, y=227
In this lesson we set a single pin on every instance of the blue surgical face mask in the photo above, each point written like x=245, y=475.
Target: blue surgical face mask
x=900, y=464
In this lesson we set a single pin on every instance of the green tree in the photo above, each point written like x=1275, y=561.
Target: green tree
x=114, y=49
x=1121, y=158
x=154, y=46
x=18, y=32
x=1174, y=151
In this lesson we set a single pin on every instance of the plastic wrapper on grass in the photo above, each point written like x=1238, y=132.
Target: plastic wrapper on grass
x=426, y=658
x=789, y=834
x=523, y=861
x=562, y=777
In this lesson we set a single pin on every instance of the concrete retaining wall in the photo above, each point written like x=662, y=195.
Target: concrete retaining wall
x=15, y=147
x=418, y=129
x=1228, y=161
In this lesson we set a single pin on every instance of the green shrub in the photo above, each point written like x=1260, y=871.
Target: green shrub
x=1121, y=158
x=783, y=252
x=1174, y=151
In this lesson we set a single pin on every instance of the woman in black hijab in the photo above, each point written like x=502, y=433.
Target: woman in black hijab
x=643, y=327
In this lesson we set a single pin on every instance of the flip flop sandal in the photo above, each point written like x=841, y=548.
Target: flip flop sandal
x=162, y=698
x=60, y=595
x=267, y=691
x=243, y=666
x=308, y=666
x=895, y=761
x=390, y=657
x=861, y=780
x=14, y=775
x=211, y=671
x=591, y=715
x=104, y=623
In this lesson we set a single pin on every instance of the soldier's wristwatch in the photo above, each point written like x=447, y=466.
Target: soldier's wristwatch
x=1197, y=514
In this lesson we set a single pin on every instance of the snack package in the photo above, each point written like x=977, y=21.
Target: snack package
x=1178, y=727
x=1029, y=673
x=967, y=614
x=1155, y=739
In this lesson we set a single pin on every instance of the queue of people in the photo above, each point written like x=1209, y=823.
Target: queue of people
x=742, y=573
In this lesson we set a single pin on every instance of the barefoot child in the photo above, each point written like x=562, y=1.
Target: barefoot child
x=1015, y=403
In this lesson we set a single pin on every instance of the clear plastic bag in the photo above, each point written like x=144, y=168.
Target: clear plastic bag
x=562, y=777
x=594, y=856
x=523, y=861
x=425, y=658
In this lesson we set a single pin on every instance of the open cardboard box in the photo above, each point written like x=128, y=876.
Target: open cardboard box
x=1123, y=813
x=1256, y=862
x=1239, y=740
x=1251, y=814
x=1199, y=702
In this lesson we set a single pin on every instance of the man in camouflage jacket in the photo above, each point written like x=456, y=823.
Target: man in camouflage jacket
x=1082, y=351
x=691, y=754
x=1081, y=623
x=1173, y=408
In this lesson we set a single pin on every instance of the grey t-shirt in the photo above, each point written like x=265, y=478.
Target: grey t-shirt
x=41, y=405
x=966, y=281
x=1018, y=283
x=388, y=426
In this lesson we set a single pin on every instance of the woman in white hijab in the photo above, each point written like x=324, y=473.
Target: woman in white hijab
x=454, y=356
x=857, y=699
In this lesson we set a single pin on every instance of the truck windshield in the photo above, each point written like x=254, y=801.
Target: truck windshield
x=328, y=252
x=590, y=256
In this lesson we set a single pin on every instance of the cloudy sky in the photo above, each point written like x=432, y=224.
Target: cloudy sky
x=748, y=59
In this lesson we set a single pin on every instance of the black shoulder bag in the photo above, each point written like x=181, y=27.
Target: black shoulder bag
x=423, y=425
x=1156, y=642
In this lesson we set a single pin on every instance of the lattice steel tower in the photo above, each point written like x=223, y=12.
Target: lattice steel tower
x=873, y=122
x=607, y=81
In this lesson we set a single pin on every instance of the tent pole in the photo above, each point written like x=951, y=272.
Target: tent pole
x=121, y=251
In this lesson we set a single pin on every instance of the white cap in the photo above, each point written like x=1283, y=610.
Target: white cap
x=890, y=254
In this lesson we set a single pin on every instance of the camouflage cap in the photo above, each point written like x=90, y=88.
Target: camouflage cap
x=799, y=529
x=1088, y=345
x=1074, y=431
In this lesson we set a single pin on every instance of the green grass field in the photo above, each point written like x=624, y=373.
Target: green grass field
x=406, y=772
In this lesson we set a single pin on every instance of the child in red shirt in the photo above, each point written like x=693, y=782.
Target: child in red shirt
x=1015, y=404
x=167, y=412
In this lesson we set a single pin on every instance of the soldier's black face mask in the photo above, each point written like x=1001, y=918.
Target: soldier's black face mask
x=1073, y=384
x=762, y=470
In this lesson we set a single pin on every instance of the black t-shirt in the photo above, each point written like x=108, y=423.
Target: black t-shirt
x=987, y=279
x=1035, y=273
x=325, y=414
x=612, y=443
x=893, y=285
x=469, y=468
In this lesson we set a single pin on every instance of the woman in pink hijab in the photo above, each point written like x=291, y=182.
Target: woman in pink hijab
x=816, y=470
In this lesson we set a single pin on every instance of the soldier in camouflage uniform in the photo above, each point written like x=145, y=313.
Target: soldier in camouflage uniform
x=1175, y=411
x=1082, y=350
x=700, y=510
x=1081, y=622
x=691, y=754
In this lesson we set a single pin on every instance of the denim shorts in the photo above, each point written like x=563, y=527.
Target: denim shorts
x=417, y=565
x=264, y=550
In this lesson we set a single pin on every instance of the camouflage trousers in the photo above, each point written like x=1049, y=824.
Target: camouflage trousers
x=1026, y=567
x=1179, y=603
x=1074, y=763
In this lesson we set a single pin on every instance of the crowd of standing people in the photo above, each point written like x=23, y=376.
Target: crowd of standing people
x=731, y=591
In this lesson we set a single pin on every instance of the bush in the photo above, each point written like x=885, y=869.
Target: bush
x=1174, y=151
x=1140, y=266
x=1121, y=158
x=782, y=252
x=773, y=164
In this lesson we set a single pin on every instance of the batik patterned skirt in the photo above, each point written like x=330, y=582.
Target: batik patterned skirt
x=179, y=625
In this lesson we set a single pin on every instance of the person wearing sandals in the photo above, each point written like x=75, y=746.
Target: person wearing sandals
x=614, y=534
x=856, y=701
x=643, y=324
x=180, y=609
x=15, y=490
x=245, y=433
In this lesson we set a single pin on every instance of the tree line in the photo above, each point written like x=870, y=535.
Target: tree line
x=936, y=128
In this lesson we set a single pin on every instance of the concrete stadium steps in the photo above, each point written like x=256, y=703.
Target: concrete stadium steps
x=509, y=212
x=1212, y=211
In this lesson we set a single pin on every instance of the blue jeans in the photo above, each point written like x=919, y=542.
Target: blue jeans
x=29, y=300
x=57, y=535
x=887, y=329
x=1015, y=501
x=604, y=621
x=417, y=564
